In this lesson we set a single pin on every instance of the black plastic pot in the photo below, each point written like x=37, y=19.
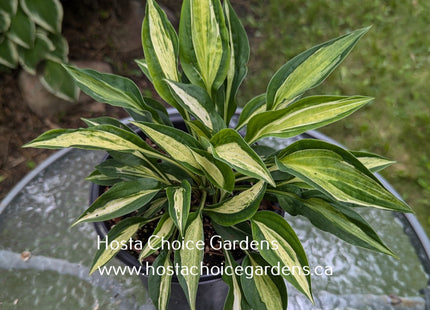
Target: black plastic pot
x=212, y=290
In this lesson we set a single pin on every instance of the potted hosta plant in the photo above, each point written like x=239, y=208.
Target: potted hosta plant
x=172, y=189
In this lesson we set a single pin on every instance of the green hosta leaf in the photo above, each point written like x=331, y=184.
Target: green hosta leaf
x=240, y=231
x=46, y=13
x=22, y=30
x=283, y=247
x=163, y=231
x=255, y=106
x=303, y=115
x=190, y=258
x=99, y=178
x=58, y=81
x=5, y=21
x=8, y=54
x=204, y=43
x=144, y=68
x=262, y=289
x=115, y=169
x=201, y=130
x=239, y=56
x=30, y=58
x=174, y=141
x=230, y=147
x=160, y=45
x=309, y=69
x=108, y=88
x=120, y=199
x=118, y=236
x=336, y=172
x=158, y=111
x=9, y=6
x=373, y=162
x=155, y=206
x=106, y=120
x=197, y=102
x=159, y=284
x=239, y=208
x=235, y=299
x=179, y=204
x=219, y=173
x=341, y=221
x=61, y=48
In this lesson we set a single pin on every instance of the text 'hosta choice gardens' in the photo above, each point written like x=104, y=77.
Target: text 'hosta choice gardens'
x=180, y=182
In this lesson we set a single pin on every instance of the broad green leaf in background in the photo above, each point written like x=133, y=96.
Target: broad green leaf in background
x=303, y=115
x=29, y=58
x=179, y=204
x=164, y=230
x=46, y=13
x=204, y=43
x=239, y=208
x=219, y=173
x=373, y=162
x=262, y=289
x=61, y=48
x=160, y=45
x=197, y=102
x=255, y=106
x=120, y=199
x=120, y=233
x=334, y=218
x=10, y=7
x=235, y=299
x=283, y=247
x=8, y=54
x=239, y=56
x=174, y=141
x=231, y=148
x=108, y=88
x=58, y=81
x=159, y=284
x=190, y=258
x=336, y=172
x=309, y=69
x=22, y=30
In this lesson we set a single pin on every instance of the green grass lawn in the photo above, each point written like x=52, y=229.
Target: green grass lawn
x=390, y=63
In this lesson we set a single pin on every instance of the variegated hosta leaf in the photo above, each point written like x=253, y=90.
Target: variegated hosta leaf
x=231, y=148
x=239, y=232
x=160, y=45
x=239, y=208
x=303, y=115
x=106, y=120
x=235, y=299
x=120, y=234
x=197, y=102
x=101, y=137
x=255, y=106
x=309, y=69
x=108, y=88
x=159, y=284
x=283, y=247
x=22, y=30
x=46, y=13
x=191, y=257
x=59, y=82
x=262, y=289
x=116, y=169
x=341, y=221
x=10, y=7
x=144, y=68
x=219, y=173
x=100, y=179
x=61, y=48
x=120, y=199
x=239, y=56
x=5, y=20
x=154, y=206
x=204, y=43
x=372, y=161
x=8, y=54
x=336, y=172
x=175, y=142
x=164, y=230
x=179, y=204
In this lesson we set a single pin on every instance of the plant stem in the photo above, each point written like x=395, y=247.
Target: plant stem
x=202, y=201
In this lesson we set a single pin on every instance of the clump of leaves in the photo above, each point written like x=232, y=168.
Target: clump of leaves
x=225, y=172
x=30, y=36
